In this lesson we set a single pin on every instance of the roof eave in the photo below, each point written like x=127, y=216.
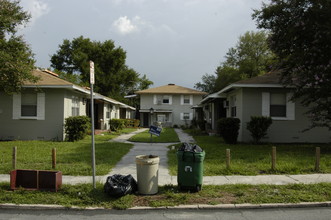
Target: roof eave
x=238, y=85
x=58, y=87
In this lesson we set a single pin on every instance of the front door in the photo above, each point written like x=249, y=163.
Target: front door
x=145, y=119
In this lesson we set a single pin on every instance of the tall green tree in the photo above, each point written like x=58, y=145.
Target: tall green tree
x=16, y=57
x=250, y=57
x=112, y=76
x=300, y=35
x=207, y=84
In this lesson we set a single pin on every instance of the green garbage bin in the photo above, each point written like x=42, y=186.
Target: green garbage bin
x=190, y=167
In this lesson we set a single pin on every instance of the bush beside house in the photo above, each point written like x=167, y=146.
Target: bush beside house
x=77, y=127
x=258, y=126
x=229, y=129
x=119, y=124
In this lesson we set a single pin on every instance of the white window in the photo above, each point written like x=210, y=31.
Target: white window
x=166, y=99
x=75, y=106
x=186, y=99
x=233, y=106
x=162, y=99
x=29, y=106
x=278, y=106
x=108, y=109
x=161, y=118
x=186, y=116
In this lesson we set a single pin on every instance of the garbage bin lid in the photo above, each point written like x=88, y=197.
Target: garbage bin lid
x=147, y=159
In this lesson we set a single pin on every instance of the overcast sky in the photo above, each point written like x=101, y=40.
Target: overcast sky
x=171, y=41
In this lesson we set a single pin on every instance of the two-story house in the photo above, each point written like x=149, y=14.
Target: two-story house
x=170, y=105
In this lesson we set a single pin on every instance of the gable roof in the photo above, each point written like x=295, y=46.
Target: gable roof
x=265, y=79
x=268, y=80
x=48, y=79
x=171, y=89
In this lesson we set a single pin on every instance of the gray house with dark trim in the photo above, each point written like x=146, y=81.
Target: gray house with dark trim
x=40, y=110
x=265, y=96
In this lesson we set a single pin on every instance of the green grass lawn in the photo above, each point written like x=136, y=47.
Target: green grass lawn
x=168, y=135
x=73, y=158
x=83, y=195
x=249, y=159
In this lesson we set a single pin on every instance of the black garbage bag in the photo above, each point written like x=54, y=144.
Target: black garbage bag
x=119, y=185
x=190, y=148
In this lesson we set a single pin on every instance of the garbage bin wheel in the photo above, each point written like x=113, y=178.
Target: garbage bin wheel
x=198, y=188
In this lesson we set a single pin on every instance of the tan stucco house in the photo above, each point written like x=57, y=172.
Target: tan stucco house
x=40, y=110
x=265, y=96
x=169, y=105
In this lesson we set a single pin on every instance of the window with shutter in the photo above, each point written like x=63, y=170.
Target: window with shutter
x=278, y=106
x=29, y=106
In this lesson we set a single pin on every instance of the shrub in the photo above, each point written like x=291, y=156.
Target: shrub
x=116, y=124
x=229, y=129
x=77, y=127
x=136, y=123
x=258, y=126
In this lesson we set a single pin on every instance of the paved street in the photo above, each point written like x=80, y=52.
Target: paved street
x=192, y=214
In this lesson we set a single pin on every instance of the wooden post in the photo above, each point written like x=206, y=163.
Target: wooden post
x=273, y=160
x=318, y=158
x=14, y=157
x=54, y=158
x=228, y=158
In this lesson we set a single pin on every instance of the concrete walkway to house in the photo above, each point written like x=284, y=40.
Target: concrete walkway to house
x=127, y=165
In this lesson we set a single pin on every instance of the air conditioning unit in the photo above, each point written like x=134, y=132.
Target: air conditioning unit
x=226, y=104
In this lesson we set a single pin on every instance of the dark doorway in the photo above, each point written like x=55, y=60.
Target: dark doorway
x=146, y=120
x=96, y=114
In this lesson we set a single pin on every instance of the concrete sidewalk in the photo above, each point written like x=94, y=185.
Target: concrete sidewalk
x=127, y=165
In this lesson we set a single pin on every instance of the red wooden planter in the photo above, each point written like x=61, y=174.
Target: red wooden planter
x=36, y=180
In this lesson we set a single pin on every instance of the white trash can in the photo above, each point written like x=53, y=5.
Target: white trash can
x=147, y=174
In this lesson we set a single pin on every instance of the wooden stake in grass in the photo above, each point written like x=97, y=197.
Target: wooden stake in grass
x=14, y=157
x=318, y=157
x=273, y=158
x=228, y=158
x=54, y=158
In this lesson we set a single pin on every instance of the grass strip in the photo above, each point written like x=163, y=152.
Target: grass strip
x=168, y=135
x=73, y=158
x=250, y=159
x=84, y=195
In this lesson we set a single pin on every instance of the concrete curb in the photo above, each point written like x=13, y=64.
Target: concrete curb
x=180, y=207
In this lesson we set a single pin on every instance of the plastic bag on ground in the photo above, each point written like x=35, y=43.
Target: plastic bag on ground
x=119, y=185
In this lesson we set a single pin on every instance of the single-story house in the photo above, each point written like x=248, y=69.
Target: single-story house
x=265, y=96
x=212, y=109
x=40, y=110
